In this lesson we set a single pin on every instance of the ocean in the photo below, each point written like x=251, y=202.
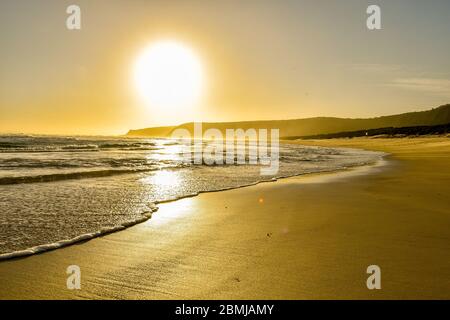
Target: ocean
x=57, y=190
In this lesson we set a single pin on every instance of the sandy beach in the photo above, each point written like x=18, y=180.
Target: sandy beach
x=307, y=237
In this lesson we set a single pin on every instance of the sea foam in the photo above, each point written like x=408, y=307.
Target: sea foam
x=54, y=198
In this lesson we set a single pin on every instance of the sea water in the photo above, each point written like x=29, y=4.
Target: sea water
x=56, y=190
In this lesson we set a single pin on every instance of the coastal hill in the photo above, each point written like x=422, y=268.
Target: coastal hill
x=317, y=125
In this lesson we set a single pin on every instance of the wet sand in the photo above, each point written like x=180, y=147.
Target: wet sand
x=299, y=238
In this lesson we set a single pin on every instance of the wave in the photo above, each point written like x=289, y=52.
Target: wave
x=80, y=147
x=46, y=150
x=146, y=215
x=126, y=145
x=10, y=144
x=84, y=237
x=74, y=148
x=69, y=175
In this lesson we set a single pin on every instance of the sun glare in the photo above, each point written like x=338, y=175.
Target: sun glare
x=168, y=74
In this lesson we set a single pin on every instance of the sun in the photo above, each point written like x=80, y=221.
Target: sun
x=168, y=74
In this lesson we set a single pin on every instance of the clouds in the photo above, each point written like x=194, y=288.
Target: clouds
x=376, y=68
x=406, y=78
x=437, y=86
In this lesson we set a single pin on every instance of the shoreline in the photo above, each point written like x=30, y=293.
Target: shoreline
x=290, y=240
x=43, y=248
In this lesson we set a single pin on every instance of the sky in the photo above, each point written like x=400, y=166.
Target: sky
x=261, y=60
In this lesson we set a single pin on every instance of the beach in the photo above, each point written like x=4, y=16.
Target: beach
x=305, y=237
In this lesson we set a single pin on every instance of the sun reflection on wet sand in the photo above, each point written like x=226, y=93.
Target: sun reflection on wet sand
x=164, y=180
x=179, y=210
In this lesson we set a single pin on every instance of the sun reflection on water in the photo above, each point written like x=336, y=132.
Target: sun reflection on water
x=170, y=153
x=163, y=178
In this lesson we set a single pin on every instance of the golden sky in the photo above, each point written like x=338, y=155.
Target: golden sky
x=261, y=60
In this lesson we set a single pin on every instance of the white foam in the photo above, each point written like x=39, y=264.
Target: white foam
x=83, y=237
x=100, y=200
x=153, y=208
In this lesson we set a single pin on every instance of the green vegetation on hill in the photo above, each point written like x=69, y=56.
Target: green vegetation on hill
x=441, y=129
x=152, y=132
x=318, y=125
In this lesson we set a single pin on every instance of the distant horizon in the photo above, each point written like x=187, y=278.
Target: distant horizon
x=178, y=124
